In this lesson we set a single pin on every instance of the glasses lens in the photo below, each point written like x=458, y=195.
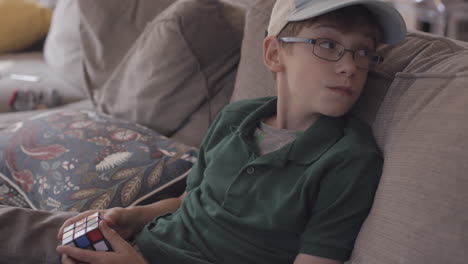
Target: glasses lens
x=328, y=49
x=366, y=60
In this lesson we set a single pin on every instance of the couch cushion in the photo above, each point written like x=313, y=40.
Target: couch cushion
x=108, y=29
x=62, y=48
x=415, y=54
x=24, y=22
x=180, y=61
x=195, y=127
x=81, y=160
x=253, y=78
x=420, y=213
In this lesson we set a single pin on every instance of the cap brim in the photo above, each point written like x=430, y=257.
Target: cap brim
x=390, y=20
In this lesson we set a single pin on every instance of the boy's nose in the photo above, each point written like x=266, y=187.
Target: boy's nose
x=346, y=64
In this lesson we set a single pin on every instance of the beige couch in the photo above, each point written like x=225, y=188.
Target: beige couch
x=416, y=103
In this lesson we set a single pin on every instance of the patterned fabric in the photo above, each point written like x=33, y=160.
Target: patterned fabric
x=9, y=195
x=81, y=160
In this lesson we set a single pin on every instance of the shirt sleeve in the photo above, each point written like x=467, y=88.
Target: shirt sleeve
x=342, y=204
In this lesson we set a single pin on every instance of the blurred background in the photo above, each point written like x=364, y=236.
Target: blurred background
x=441, y=17
x=24, y=24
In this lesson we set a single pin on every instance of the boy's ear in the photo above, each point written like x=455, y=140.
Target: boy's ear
x=271, y=54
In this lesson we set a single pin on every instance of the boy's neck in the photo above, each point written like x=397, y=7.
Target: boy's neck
x=290, y=118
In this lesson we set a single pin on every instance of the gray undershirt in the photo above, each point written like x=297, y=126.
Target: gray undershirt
x=270, y=138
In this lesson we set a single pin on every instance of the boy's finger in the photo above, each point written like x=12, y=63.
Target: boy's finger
x=79, y=254
x=67, y=260
x=110, y=219
x=116, y=241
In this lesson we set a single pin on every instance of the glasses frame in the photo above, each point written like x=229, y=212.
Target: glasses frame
x=375, y=58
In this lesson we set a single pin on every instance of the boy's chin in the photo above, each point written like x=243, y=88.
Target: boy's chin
x=335, y=112
x=335, y=115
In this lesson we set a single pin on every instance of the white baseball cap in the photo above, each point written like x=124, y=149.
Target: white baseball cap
x=390, y=20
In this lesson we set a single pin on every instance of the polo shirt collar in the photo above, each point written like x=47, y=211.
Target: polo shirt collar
x=252, y=121
x=317, y=139
x=308, y=147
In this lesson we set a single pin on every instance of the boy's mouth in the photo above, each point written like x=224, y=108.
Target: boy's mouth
x=343, y=90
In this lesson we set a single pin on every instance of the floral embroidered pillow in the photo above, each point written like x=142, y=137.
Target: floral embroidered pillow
x=81, y=160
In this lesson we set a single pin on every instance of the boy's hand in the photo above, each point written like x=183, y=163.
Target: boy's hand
x=120, y=219
x=123, y=252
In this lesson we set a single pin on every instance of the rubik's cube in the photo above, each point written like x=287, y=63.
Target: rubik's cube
x=86, y=234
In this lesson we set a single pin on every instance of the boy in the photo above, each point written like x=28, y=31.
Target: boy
x=279, y=180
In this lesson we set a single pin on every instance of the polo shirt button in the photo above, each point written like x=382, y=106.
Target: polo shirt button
x=250, y=170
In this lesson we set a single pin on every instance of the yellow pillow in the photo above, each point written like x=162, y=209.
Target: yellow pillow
x=22, y=23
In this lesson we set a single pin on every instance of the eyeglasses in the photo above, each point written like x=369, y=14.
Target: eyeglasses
x=330, y=50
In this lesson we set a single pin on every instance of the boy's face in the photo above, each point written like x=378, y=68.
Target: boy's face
x=318, y=86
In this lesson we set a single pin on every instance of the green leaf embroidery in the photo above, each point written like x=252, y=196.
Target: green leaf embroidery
x=131, y=190
x=155, y=175
x=126, y=173
x=103, y=201
x=84, y=194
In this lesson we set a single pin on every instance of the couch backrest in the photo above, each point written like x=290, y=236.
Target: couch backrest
x=253, y=79
x=420, y=213
x=108, y=30
x=416, y=103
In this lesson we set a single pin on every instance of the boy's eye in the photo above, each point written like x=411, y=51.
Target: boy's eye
x=376, y=59
x=368, y=54
x=328, y=44
x=363, y=53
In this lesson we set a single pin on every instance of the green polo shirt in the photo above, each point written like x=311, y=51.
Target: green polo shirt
x=311, y=196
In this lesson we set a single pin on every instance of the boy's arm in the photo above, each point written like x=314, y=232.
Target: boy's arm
x=309, y=259
x=144, y=214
